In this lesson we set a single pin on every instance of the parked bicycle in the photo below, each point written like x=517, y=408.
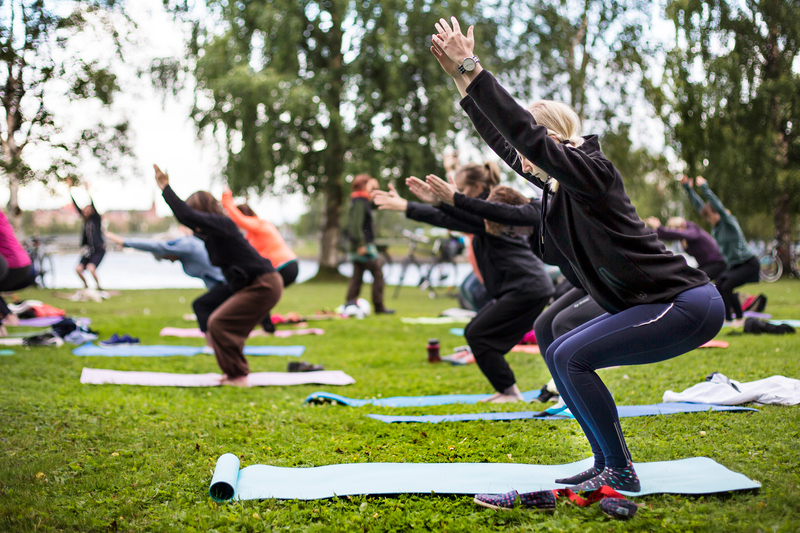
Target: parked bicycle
x=41, y=260
x=442, y=270
x=771, y=265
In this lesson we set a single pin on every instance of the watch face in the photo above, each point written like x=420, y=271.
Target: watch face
x=468, y=64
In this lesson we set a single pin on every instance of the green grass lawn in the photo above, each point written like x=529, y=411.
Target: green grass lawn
x=105, y=458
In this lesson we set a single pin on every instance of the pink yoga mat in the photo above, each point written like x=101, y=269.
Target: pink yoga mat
x=715, y=344
x=97, y=376
x=196, y=333
x=526, y=348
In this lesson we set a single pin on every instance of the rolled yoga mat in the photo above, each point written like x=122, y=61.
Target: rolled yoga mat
x=97, y=376
x=195, y=333
x=698, y=475
x=623, y=410
x=139, y=350
x=407, y=401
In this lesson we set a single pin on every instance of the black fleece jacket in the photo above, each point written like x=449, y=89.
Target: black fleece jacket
x=506, y=263
x=92, y=234
x=590, y=219
x=227, y=248
x=523, y=215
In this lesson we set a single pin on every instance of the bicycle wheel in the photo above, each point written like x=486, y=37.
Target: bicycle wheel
x=770, y=267
x=441, y=274
x=46, y=272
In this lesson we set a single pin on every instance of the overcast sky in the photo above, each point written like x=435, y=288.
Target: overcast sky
x=164, y=134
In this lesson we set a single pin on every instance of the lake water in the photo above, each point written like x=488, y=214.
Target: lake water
x=138, y=270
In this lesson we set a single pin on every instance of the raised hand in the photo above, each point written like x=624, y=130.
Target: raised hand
x=162, y=179
x=684, y=179
x=443, y=190
x=448, y=65
x=452, y=42
x=700, y=180
x=421, y=190
x=389, y=200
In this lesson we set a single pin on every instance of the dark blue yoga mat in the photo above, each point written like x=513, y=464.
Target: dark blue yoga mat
x=698, y=475
x=407, y=401
x=139, y=350
x=623, y=410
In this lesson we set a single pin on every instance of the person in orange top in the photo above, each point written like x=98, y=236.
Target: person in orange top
x=266, y=239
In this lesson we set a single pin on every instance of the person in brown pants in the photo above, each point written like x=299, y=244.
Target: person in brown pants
x=361, y=237
x=231, y=323
x=253, y=285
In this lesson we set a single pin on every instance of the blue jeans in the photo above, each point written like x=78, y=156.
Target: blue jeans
x=637, y=336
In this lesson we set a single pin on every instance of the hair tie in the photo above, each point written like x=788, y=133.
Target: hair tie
x=566, y=141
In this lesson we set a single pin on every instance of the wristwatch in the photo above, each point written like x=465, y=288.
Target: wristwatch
x=468, y=65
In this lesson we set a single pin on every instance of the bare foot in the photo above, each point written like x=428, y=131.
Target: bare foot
x=241, y=381
x=510, y=395
x=11, y=320
x=3, y=332
x=502, y=398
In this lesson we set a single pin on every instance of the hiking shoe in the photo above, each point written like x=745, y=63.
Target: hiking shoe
x=618, y=508
x=127, y=339
x=543, y=500
x=112, y=340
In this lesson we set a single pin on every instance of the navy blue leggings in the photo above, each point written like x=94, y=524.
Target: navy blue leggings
x=637, y=336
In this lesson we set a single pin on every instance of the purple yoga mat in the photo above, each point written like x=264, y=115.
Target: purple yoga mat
x=97, y=376
x=44, y=321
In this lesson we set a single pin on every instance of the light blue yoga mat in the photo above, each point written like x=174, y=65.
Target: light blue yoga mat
x=623, y=410
x=698, y=475
x=457, y=331
x=6, y=352
x=138, y=350
x=793, y=323
x=407, y=401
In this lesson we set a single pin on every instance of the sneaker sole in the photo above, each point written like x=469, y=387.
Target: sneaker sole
x=498, y=508
x=491, y=506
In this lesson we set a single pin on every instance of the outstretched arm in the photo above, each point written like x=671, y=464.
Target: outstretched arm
x=715, y=202
x=186, y=215
x=513, y=215
x=243, y=221
x=437, y=217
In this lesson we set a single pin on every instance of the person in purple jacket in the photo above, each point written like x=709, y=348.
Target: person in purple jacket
x=657, y=307
x=696, y=242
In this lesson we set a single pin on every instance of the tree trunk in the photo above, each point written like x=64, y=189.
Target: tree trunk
x=11, y=155
x=328, y=263
x=14, y=213
x=334, y=163
x=783, y=231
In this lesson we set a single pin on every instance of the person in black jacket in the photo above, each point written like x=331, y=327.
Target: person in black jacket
x=514, y=277
x=657, y=306
x=252, y=285
x=573, y=308
x=92, y=241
